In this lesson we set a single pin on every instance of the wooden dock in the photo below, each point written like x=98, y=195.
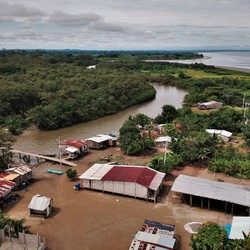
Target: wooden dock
x=39, y=156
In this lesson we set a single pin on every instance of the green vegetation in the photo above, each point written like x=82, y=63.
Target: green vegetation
x=211, y=236
x=71, y=173
x=55, y=90
x=12, y=226
x=131, y=140
x=6, y=142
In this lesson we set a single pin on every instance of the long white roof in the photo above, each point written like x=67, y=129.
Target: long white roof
x=219, y=132
x=100, y=138
x=237, y=194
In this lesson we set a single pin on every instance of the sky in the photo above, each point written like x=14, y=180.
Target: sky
x=125, y=24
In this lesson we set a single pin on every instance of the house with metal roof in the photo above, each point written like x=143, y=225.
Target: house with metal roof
x=74, y=148
x=223, y=134
x=209, y=105
x=154, y=235
x=20, y=174
x=101, y=141
x=209, y=191
x=40, y=205
x=136, y=181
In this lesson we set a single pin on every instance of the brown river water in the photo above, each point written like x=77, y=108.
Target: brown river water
x=46, y=142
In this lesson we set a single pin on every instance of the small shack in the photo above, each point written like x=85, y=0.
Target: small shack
x=154, y=235
x=136, y=181
x=101, y=141
x=20, y=174
x=163, y=141
x=74, y=148
x=209, y=105
x=223, y=134
x=40, y=205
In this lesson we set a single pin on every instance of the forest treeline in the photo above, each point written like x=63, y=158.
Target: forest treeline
x=55, y=89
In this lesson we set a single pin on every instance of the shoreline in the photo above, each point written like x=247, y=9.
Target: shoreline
x=234, y=68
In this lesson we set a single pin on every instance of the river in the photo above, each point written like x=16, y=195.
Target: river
x=36, y=141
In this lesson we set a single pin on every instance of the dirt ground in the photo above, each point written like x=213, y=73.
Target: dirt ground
x=88, y=220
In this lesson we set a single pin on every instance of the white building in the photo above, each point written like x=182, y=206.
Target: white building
x=40, y=205
x=101, y=141
x=223, y=134
x=136, y=181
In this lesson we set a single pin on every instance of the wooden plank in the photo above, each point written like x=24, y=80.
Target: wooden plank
x=45, y=157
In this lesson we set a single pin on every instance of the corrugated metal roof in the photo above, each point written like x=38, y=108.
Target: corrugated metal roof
x=101, y=138
x=156, y=239
x=219, y=132
x=39, y=202
x=142, y=175
x=163, y=139
x=22, y=170
x=71, y=149
x=11, y=177
x=239, y=224
x=237, y=194
x=75, y=143
x=96, y=172
x=5, y=187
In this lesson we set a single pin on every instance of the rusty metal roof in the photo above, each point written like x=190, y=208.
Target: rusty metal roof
x=75, y=143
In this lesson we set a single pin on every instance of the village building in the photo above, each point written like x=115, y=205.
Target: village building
x=101, y=141
x=136, y=181
x=209, y=193
x=163, y=141
x=239, y=225
x=40, y=205
x=6, y=188
x=154, y=235
x=19, y=175
x=74, y=148
x=223, y=134
x=209, y=105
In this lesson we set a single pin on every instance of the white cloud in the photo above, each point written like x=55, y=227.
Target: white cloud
x=62, y=18
x=124, y=24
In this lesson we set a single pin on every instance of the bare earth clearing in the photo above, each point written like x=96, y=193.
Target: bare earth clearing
x=92, y=220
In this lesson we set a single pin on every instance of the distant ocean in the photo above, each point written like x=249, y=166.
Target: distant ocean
x=237, y=60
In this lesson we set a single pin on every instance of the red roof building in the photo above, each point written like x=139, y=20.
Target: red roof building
x=137, y=181
x=6, y=188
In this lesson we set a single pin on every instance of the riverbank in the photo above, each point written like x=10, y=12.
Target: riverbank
x=92, y=220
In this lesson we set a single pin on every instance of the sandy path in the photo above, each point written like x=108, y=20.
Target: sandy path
x=92, y=220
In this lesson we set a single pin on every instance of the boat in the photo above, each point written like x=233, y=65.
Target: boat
x=54, y=171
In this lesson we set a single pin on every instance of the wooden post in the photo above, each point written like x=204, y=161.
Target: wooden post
x=208, y=204
x=226, y=207
x=191, y=200
x=232, y=210
x=201, y=202
x=20, y=156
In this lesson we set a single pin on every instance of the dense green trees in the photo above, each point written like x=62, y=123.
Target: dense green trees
x=6, y=142
x=211, y=236
x=55, y=90
x=131, y=139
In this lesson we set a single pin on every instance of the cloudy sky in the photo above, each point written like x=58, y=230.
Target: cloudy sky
x=125, y=24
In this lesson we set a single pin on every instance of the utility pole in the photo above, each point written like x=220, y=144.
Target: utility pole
x=59, y=148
